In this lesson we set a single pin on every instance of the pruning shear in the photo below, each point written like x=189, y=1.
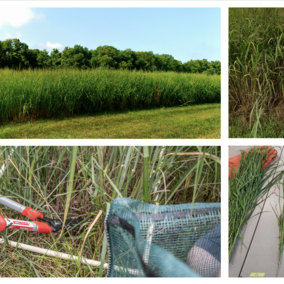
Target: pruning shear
x=50, y=225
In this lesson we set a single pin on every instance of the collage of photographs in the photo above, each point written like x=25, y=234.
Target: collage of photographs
x=111, y=139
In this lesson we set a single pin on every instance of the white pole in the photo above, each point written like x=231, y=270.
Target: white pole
x=64, y=256
x=52, y=253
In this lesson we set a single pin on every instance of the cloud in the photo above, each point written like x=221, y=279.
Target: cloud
x=10, y=36
x=17, y=17
x=50, y=45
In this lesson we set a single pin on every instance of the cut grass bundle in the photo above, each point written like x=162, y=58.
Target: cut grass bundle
x=53, y=93
x=247, y=189
x=256, y=64
x=41, y=177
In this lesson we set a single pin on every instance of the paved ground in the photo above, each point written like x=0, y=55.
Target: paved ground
x=259, y=252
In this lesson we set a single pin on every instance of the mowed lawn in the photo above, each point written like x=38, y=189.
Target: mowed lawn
x=196, y=121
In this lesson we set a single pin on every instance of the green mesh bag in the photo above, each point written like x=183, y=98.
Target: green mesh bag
x=146, y=240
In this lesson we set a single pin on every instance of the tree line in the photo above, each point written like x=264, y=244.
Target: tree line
x=15, y=54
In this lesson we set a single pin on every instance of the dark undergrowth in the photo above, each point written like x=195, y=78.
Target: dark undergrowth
x=271, y=126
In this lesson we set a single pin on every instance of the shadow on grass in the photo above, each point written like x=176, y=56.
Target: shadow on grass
x=196, y=122
x=62, y=117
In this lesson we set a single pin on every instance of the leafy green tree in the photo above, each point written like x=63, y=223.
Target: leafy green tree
x=176, y=66
x=55, y=57
x=20, y=54
x=193, y=66
x=216, y=65
x=106, y=61
x=123, y=65
x=17, y=55
x=127, y=58
x=14, y=54
x=32, y=55
x=3, y=60
x=76, y=57
x=163, y=61
x=145, y=61
x=106, y=57
x=43, y=59
x=204, y=65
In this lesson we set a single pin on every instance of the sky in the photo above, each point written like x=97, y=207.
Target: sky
x=184, y=33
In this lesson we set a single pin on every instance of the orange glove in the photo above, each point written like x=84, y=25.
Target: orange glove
x=235, y=161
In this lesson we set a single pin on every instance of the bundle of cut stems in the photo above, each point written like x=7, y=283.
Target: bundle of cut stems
x=247, y=189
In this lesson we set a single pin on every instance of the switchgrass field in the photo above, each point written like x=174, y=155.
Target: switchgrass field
x=256, y=72
x=80, y=181
x=196, y=121
x=32, y=94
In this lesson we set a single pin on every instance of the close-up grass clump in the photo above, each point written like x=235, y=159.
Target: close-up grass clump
x=72, y=182
x=32, y=94
x=248, y=188
x=256, y=72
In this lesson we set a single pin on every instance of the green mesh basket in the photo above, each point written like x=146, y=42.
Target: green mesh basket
x=146, y=240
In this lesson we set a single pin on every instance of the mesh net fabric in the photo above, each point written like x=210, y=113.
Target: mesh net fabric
x=149, y=240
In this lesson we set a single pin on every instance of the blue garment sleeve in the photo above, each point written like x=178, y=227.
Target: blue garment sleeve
x=211, y=242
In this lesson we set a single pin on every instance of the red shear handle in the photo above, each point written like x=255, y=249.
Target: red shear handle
x=2, y=224
x=37, y=227
x=43, y=228
x=32, y=214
